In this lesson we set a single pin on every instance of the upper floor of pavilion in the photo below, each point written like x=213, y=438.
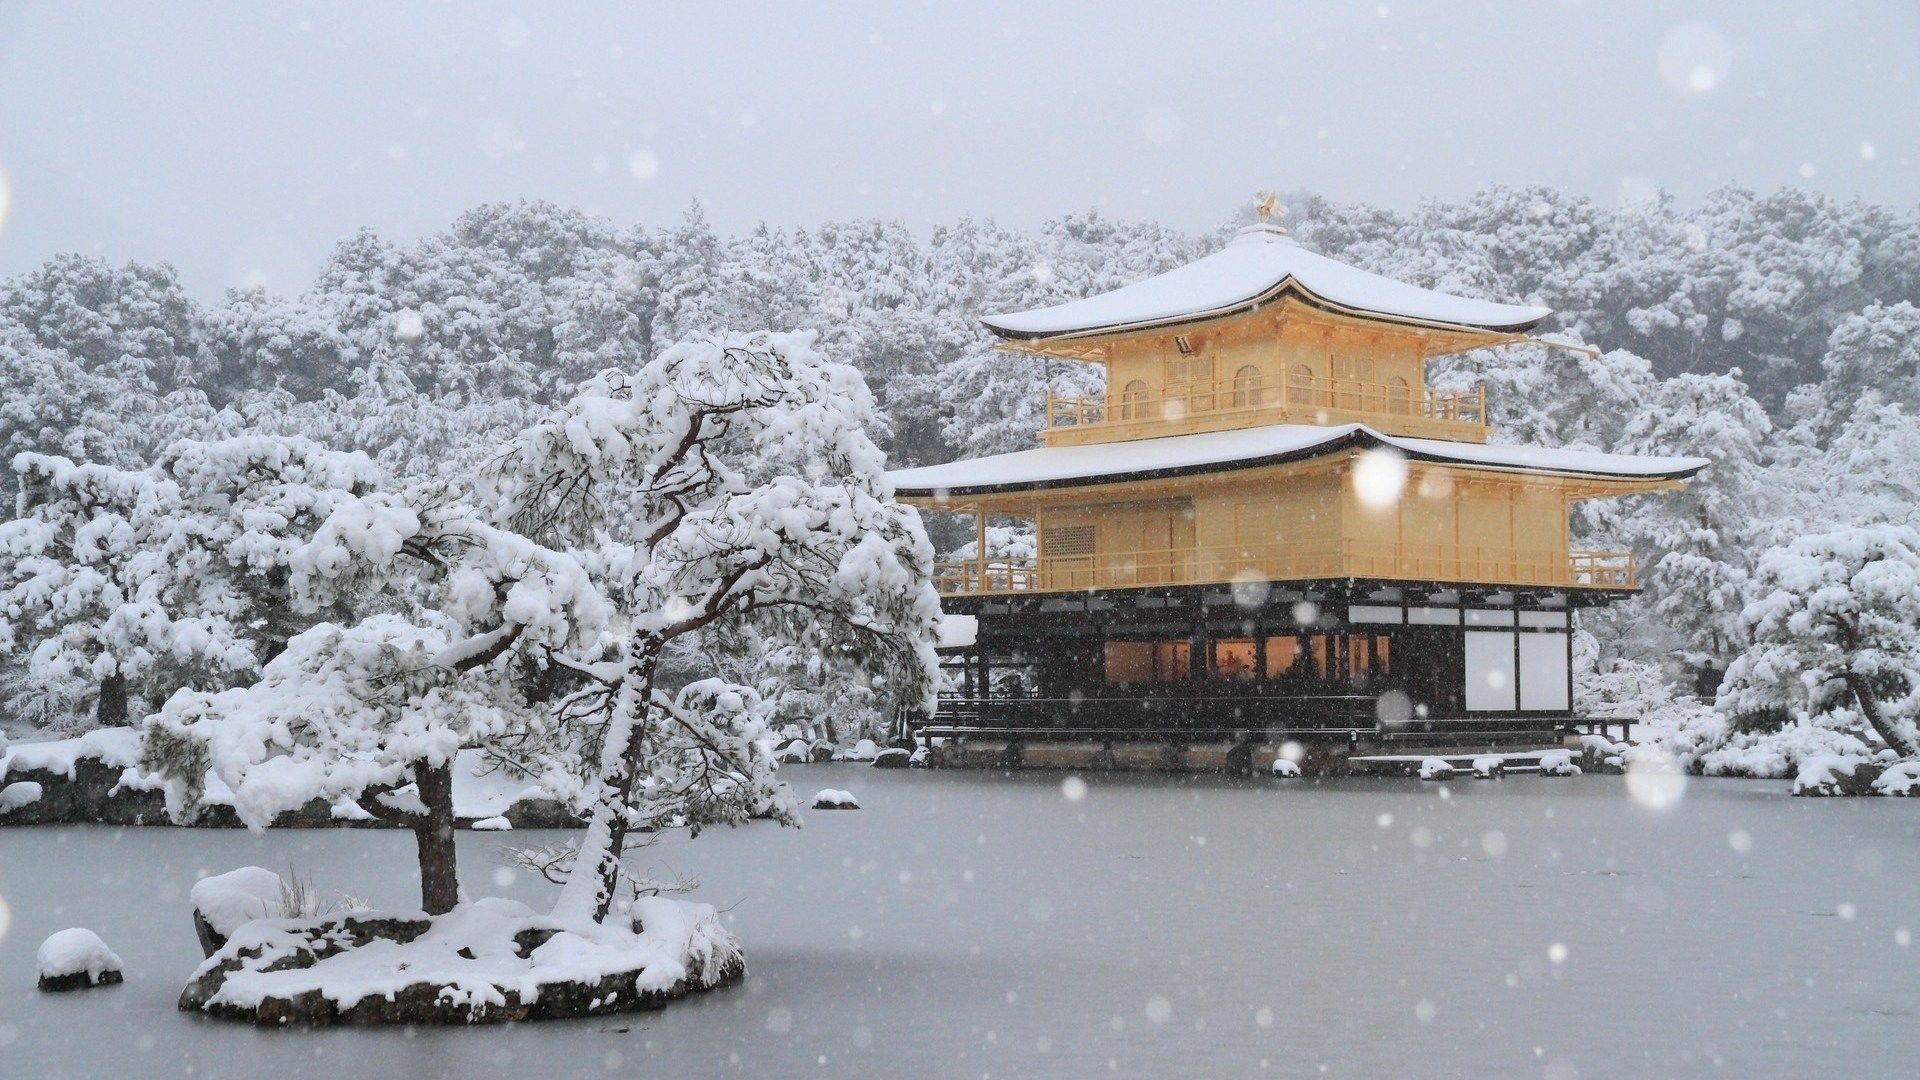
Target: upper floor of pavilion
x=1263, y=332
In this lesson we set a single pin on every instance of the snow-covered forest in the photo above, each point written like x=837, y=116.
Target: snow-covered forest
x=1775, y=333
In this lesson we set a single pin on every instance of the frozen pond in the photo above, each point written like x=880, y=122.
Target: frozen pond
x=987, y=925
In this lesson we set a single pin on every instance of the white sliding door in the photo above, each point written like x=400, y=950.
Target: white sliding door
x=1543, y=672
x=1489, y=675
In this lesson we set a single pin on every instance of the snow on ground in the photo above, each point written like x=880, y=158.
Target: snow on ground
x=966, y=923
x=477, y=792
x=75, y=951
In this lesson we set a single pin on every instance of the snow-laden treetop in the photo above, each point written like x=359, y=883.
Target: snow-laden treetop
x=1216, y=451
x=1260, y=264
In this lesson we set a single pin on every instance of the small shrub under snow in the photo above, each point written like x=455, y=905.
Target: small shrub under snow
x=1286, y=768
x=1434, y=768
x=835, y=799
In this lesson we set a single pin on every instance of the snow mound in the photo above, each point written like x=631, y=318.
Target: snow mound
x=490, y=960
x=16, y=795
x=1284, y=767
x=76, y=958
x=835, y=799
x=1601, y=746
x=1434, y=768
x=1824, y=775
x=1558, y=763
x=864, y=750
x=493, y=824
x=1900, y=779
x=117, y=747
x=229, y=901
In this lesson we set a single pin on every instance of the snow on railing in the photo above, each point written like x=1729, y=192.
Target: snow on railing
x=1286, y=562
x=1298, y=398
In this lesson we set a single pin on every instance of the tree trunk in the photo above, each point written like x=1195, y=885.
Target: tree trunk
x=1863, y=696
x=595, y=876
x=1870, y=708
x=439, y=877
x=111, y=709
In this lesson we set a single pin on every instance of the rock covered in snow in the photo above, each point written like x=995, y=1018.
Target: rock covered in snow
x=893, y=757
x=492, y=824
x=487, y=961
x=1435, y=768
x=19, y=794
x=75, y=959
x=225, y=902
x=864, y=750
x=1558, y=763
x=1824, y=775
x=1900, y=779
x=1489, y=767
x=835, y=799
x=1286, y=768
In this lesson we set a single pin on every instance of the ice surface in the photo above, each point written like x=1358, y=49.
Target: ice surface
x=1059, y=464
x=1259, y=261
x=964, y=921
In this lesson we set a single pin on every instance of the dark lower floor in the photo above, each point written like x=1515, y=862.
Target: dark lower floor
x=1345, y=660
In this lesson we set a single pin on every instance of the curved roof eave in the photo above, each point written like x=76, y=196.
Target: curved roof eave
x=1359, y=437
x=1276, y=292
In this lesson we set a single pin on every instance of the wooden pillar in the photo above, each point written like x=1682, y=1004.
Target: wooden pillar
x=1039, y=549
x=980, y=543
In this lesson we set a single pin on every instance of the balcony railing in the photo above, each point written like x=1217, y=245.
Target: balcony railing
x=1287, y=562
x=1298, y=399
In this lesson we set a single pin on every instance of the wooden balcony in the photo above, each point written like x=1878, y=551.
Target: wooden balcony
x=1223, y=405
x=1287, y=562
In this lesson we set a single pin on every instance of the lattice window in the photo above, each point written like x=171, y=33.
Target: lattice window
x=1067, y=541
x=1186, y=371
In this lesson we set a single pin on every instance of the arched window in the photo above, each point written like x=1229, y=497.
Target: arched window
x=1300, y=385
x=1133, y=401
x=1246, y=387
x=1399, y=396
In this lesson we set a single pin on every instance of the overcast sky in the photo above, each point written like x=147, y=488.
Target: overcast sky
x=240, y=141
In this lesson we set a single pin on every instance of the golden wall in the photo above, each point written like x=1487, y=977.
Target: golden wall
x=1300, y=521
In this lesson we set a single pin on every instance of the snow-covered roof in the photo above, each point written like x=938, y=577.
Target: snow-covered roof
x=1223, y=451
x=1260, y=263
